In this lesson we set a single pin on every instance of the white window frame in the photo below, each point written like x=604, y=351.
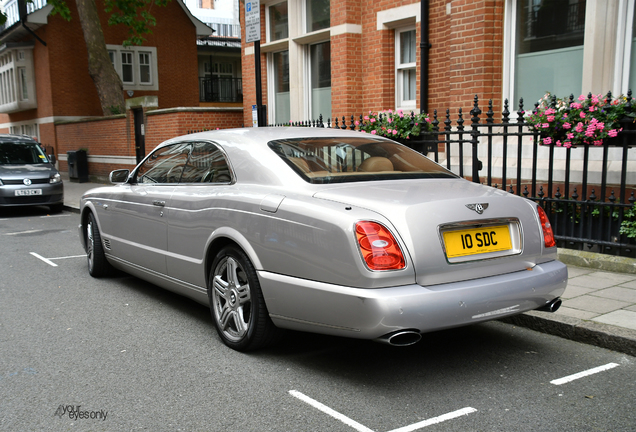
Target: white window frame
x=307, y=82
x=130, y=62
x=400, y=102
x=112, y=54
x=305, y=23
x=136, y=83
x=148, y=55
x=509, y=65
x=271, y=85
x=622, y=63
x=17, y=79
x=26, y=128
x=23, y=84
x=268, y=22
x=606, y=50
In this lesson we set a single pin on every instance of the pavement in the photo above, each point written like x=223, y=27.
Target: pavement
x=599, y=303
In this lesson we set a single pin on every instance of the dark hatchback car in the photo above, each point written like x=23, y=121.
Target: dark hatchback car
x=28, y=176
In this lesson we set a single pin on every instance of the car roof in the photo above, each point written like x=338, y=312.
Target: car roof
x=253, y=160
x=261, y=136
x=12, y=138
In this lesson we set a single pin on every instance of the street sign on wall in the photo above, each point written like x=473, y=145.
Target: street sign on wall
x=252, y=21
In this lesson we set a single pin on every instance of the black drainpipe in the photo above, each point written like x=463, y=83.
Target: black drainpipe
x=22, y=11
x=424, y=47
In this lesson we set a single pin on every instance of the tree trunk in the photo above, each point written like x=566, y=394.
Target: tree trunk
x=108, y=84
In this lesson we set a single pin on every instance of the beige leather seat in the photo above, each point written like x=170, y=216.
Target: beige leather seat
x=376, y=164
x=301, y=163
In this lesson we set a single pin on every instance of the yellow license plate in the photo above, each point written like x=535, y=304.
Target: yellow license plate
x=477, y=241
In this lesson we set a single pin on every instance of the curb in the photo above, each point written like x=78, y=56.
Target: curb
x=71, y=209
x=597, y=261
x=607, y=336
x=592, y=333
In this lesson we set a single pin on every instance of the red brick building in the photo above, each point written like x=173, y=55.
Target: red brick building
x=45, y=80
x=347, y=57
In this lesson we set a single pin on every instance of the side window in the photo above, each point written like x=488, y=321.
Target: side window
x=207, y=164
x=165, y=165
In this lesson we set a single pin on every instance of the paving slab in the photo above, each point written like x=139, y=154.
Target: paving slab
x=618, y=293
x=621, y=318
x=573, y=291
x=596, y=304
x=630, y=284
x=596, y=280
x=576, y=313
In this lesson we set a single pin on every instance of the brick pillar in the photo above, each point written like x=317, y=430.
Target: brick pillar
x=476, y=52
x=379, y=69
x=346, y=74
x=346, y=58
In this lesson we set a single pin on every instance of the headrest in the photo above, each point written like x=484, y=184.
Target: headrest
x=376, y=164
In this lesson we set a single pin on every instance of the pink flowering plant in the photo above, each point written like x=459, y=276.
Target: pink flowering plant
x=395, y=124
x=586, y=121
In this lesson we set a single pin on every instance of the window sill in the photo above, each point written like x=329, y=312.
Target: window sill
x=279, y=45
x=317, y=36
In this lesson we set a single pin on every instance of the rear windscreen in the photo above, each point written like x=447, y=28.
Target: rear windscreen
x=351, y=159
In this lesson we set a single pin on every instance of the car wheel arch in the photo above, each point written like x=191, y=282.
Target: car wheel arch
x=86, y=211
x=228, y=236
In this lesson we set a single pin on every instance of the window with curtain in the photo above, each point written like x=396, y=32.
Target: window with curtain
x=406, y=77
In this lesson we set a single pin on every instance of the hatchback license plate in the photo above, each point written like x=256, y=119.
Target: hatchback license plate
x=477, y=241
x=28, y=192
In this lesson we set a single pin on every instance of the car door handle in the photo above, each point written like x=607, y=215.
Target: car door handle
x=159, y=203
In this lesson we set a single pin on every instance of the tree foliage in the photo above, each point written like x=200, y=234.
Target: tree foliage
x=133, y=14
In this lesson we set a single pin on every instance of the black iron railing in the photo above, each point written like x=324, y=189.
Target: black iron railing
x=220, y=89
x=588, y=192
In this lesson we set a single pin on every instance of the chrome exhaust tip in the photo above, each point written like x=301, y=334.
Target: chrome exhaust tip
x=401, y=338
x=553, y=306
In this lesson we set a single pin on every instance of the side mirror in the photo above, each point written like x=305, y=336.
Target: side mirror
x=52, y=158
x=119, y=176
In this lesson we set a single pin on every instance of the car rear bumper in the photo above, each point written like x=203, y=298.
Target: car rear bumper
x=317, y=307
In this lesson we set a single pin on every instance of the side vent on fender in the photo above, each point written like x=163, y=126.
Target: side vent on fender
x=106, y=244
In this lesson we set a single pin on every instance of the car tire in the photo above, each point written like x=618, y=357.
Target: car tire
x=98, y=266
x=236, y=302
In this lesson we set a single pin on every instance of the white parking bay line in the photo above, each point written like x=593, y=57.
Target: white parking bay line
x=359, y=427
x=576, y=376
x=343, y=418
x=51, y=263
x=67, y=257
x=24, y=232
x=435, y=420
x=49, y=260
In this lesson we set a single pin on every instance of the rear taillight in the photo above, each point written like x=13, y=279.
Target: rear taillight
x=378, y=247
x=548, y=235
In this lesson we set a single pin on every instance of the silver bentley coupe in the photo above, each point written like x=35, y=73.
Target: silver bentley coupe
x=321, y=230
